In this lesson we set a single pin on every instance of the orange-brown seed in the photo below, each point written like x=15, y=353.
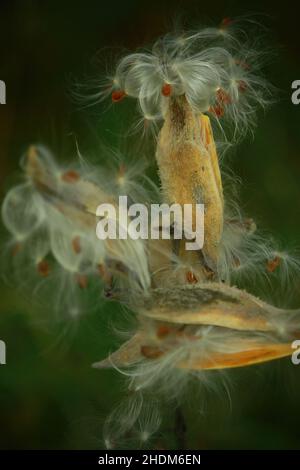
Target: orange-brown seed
x=76, y=244
x=70, y=176
x=117, y=96
x=273, y=264
x=43, y=268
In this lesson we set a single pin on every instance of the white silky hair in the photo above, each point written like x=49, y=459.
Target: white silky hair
x=41, y=230
x=214, y=68
x=246, y=253
x=132, y=422
x=62, y=233
x=164, y=375
x=121, y=420
x=22, y=211
x=127, y=175
x=199, y=65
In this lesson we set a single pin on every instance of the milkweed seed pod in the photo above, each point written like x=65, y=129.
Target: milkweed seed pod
x=193, y=314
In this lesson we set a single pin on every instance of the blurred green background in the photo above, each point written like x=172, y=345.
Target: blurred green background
x=49, y=395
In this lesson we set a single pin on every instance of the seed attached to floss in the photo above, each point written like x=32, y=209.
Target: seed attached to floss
x=122, y=169
x=146, y=123
x=151, y=352
x=236, y=262
x=242, y=86
x=76, y=244
x=191, y=278
x=43, y=268
x=223, y=97
x=273, y=264
x=82, y=281
x=70, y=176
x=121, y=174
x=117, y=96
x=243, y=64
x=166, y=90
x=16, y=248
x=217, y=110
x=209, y=273
x=104, y=274
x=226, y=22
x=163, y=331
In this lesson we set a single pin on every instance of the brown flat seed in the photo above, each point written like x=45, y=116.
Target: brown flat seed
x=217, y=110
x=43, y=268
x=163, y=330
x=151, y=352
x=236, y=262
x=242, y=86
x=227, y=21
x=223, y=97
x=16, y=248
x=70, y=176
x=273, y=264
x=82, y=281
x=191, y=278
x=76, y=244
x=166, y=90
x=117, y=96
x=104, y=273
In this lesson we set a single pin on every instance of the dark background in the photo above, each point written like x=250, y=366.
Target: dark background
x=49, y=395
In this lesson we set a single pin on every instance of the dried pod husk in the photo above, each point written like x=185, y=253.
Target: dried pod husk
x=189, y=172
x=217, y=304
